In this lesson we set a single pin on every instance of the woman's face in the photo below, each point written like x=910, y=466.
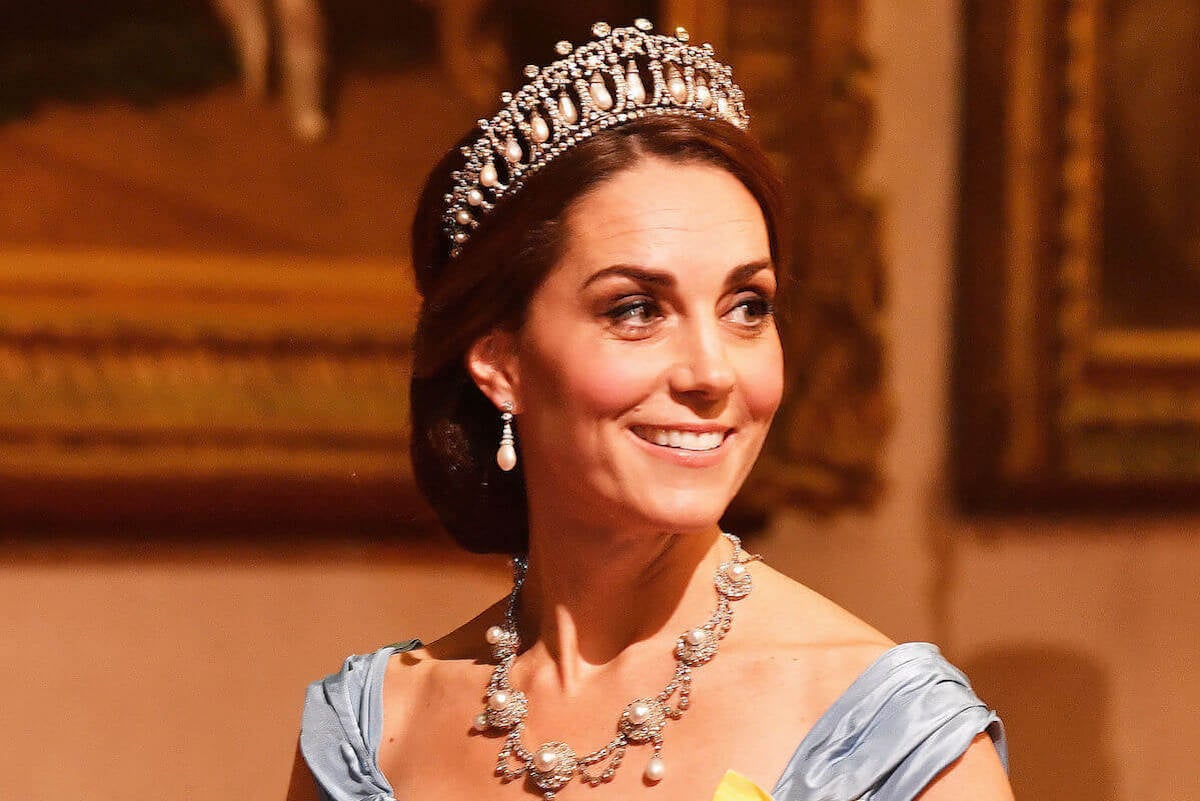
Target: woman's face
x=649, y=367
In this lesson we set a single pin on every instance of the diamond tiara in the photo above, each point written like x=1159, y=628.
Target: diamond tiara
x=595, y=86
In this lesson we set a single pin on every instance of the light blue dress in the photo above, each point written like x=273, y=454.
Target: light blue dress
x=904, y=719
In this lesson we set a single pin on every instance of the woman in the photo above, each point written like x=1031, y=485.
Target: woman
x=597, y=366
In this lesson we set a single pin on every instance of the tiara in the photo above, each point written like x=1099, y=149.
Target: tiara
x=595, y=86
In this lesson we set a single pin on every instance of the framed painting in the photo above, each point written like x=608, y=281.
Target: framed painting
x=178, y=391
x=205, y=307
x=1077, y=364
x=205, y=312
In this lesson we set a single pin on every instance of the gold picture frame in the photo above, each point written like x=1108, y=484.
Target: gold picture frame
x=1070, y=392
x=182, y=391
x=213, y=391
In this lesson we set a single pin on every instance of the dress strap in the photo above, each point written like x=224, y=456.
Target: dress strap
x=904, y=720
x=342, y=725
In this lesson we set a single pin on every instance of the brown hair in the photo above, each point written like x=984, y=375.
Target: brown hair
x=455, y=429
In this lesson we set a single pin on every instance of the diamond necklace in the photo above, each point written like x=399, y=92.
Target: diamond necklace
x=553, y=764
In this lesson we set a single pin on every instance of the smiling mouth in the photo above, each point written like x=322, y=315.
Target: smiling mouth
x=681, y=440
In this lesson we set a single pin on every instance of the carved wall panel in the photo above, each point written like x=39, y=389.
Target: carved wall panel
x=188, y=390
x=1078, y=371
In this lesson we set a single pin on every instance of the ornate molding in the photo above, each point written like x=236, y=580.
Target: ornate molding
x=133, y=367
x=1080, y=178
x=1056, y=405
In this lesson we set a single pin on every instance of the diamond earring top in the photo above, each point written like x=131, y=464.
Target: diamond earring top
x=624, y=74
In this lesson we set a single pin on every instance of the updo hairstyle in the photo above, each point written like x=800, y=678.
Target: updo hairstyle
x=455, y=428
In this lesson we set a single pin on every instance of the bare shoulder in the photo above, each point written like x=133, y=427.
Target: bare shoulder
x=816, y=648
x=801, y=618
x=414, y=680
x=835, y=648
x=977, y=774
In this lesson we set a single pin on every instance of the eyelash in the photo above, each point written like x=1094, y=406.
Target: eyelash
x=755, y=302
x=621, y=312
x=758, y=305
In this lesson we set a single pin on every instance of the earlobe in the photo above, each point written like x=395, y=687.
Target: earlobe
x=491, y=364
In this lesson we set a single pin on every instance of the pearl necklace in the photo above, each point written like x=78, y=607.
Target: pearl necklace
x=553, y=764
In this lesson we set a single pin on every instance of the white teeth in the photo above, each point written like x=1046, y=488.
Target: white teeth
x=683, y=440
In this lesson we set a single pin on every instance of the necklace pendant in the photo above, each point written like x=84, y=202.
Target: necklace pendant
x=643, y=719
x=505, y=709
x=552, y=766
x=655, y=769
x=733, y=580
x=696, y=647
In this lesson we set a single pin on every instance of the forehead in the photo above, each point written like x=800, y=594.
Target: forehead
x=661, y=213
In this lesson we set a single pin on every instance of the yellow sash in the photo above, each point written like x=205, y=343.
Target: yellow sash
x=736, y=787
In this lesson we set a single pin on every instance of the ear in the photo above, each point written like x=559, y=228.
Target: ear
x=491, y=363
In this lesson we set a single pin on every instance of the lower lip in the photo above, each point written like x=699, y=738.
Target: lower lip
x=683, y=457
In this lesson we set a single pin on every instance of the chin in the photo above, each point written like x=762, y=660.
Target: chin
x=684, y=511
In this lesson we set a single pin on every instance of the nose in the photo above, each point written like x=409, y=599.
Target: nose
x=702, y=368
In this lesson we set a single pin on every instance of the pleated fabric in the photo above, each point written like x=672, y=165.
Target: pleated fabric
x=904, y=719
x=342, y=726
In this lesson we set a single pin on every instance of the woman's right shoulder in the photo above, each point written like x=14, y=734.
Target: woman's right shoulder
x=354, y=678
x=359, y=673
x=414, y=662
x=414, y=674
x=341, y=723
x=352, y=694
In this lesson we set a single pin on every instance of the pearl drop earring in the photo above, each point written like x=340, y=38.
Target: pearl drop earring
x=506, y=455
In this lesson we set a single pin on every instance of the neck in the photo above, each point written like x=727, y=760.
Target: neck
x=591, y=595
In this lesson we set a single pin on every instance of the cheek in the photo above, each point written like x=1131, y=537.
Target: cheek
x=588, y=383
x=762, y=383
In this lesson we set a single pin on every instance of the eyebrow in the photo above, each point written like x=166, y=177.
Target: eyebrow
x=737, y=275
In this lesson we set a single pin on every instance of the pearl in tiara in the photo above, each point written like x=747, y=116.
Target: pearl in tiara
x=624, y=74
